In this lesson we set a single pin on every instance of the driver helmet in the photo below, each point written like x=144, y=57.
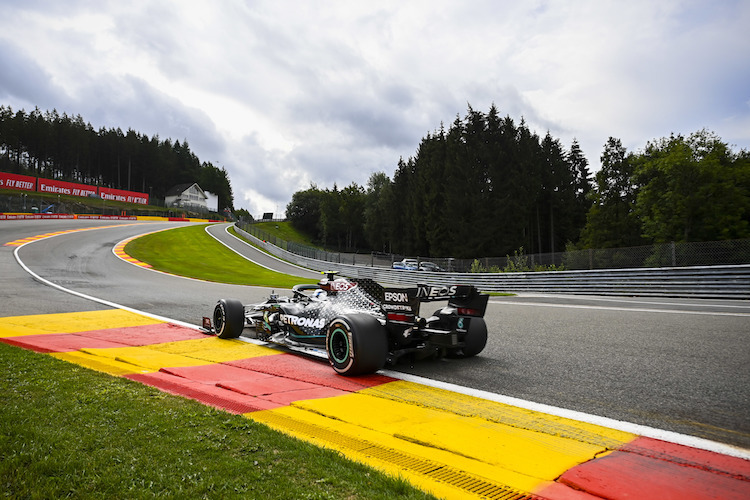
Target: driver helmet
x=319, y=294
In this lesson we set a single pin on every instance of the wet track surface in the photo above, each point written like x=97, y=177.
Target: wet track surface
x=675, y=364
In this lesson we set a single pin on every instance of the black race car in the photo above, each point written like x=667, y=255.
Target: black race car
x=360, y=325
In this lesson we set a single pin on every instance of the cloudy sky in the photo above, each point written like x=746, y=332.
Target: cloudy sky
x=287, y=93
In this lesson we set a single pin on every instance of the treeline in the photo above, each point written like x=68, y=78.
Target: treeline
x=488, y=187
x=681, y=189
x=67, y=148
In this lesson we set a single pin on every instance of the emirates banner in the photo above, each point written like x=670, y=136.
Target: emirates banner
x=36, y=216
x=106, y=217
x=16, y=181
x=62, y=187
x=27, y=183
x=120, y=195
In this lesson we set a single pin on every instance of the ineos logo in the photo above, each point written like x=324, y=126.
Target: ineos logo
x=436, y=291
x=342, y=286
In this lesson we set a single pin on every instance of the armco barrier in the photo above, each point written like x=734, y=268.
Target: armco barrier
x=728, y=282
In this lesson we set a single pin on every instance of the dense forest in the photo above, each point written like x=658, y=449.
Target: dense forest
x=66, y=148
x=488, y=187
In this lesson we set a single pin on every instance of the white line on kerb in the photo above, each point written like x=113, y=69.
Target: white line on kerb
x=640, y=430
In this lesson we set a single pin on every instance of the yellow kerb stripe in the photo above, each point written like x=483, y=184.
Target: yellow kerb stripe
x=13, y=326
x=474, y=441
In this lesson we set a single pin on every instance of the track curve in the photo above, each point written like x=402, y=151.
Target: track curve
x=221, y=233
x=676, y=365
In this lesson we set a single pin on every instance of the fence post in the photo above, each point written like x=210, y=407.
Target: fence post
x=674, y=256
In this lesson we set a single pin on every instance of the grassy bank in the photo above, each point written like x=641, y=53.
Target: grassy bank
x=189, y=251
x=66, y=431
x=285, y=231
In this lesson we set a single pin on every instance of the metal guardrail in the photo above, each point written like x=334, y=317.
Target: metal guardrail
x=671, y=254
x=727, y=282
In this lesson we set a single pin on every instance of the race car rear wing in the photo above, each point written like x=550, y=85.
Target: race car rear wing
x=402, y=304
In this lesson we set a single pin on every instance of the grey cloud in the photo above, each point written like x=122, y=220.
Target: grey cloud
x=25, y=82
x=48, y=6
x=369, y=116
x=339, y=92
x=130, y=102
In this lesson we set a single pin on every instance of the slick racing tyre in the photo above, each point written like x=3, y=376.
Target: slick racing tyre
x=474, y=340
x=356, y=344
x=229, y=318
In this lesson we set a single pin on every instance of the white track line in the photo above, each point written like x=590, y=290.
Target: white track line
x=641, y=430
x=628, y=300
x=238, y=253
x=240, y=240
x=89, y=297
x=627, y=309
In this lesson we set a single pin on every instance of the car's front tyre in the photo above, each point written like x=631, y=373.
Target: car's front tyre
x=229, y=318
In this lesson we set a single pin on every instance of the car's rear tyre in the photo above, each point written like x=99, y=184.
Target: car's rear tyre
x=474, y=340
x=229, y=318
x=356, y=344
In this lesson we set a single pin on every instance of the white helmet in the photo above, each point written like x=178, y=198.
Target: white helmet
x=319, y=294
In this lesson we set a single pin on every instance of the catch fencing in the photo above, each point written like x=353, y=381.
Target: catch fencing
x=717, y=281
x=712, y=253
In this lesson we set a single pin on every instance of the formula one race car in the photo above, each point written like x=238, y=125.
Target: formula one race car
x=360, y=325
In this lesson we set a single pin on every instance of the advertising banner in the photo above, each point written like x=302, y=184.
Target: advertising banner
x=35, y=216
x=106, y=217
x=69, y=188
x=120, y=195
x=16, y=181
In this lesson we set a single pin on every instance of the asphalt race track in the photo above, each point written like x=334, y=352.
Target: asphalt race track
x=674, y=364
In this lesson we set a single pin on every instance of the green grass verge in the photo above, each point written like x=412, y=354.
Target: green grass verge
x=190, y=251
x=286, y=232
x=66, y=431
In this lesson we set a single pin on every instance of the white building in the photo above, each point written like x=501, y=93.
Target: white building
x=187, y=196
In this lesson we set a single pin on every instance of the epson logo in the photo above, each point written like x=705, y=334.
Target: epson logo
x=436, y=291
x=318, y=323
x=396, y=297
